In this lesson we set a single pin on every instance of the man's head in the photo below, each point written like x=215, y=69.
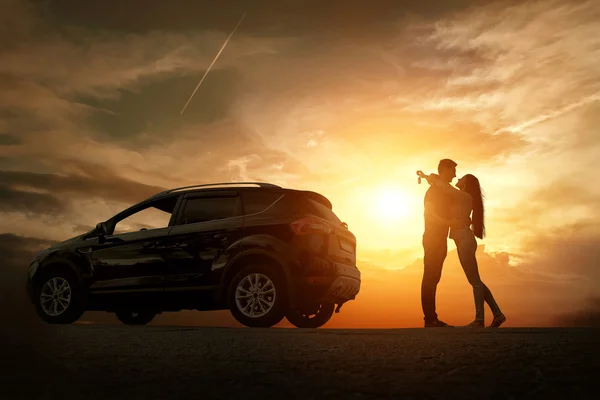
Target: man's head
x=447, y=170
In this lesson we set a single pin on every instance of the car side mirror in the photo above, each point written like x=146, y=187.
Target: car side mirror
x=102, y=228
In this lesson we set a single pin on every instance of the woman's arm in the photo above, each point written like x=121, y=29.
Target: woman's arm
x=432, y=215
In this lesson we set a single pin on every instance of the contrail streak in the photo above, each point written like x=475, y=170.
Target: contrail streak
x=551, y=115
x=213, y=62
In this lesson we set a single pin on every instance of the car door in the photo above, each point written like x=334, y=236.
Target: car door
x=207, y=229
x=132, y=264
x=130, y=261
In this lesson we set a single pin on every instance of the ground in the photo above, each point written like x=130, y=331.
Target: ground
x=114, y=362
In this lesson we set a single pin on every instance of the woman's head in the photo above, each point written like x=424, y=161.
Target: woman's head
x=470, y=184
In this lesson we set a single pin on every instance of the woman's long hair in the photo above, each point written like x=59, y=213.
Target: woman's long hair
x=474, y=189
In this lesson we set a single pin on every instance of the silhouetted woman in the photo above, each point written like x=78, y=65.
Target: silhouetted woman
x=466, y=201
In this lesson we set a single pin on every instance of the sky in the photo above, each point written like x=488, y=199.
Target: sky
x=348, y=99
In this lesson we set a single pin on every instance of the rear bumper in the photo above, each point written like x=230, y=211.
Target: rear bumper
x=345, y=286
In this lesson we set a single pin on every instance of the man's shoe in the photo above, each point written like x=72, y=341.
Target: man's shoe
x=437, y=324
x=498, y=320
x=476, y=324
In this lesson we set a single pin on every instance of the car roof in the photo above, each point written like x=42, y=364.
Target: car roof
x=250, y=186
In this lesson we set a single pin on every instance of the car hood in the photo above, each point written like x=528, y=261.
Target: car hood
x=59, y=245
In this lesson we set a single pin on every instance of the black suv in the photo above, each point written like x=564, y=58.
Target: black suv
x=259, y=250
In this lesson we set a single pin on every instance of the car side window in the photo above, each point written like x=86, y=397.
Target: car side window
x=204, y=209
x=155, y=216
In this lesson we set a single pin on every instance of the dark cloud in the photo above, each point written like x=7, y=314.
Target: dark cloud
x=28, y=202
x=86, y=180
x=9, y=140
x=354, y=18
x=587, y=316
x=17, y=252
x=571, y=250
x=152, y=112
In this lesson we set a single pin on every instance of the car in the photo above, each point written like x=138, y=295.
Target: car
x=259, y=250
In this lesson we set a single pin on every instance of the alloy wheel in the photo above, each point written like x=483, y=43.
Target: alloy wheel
x=255, y=295
x=55, y=296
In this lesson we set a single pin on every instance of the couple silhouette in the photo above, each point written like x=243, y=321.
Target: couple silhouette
x=457, y=213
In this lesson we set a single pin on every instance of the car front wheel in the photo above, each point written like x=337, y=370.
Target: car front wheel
x=60, y=298
x=257, y=296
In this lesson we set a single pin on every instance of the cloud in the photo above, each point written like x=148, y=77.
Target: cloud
x=587, y=316
x=9, y=140
x=83, y=180
x=540, y=69
x=28, y=202
x=570, y=250
x=17, y=252
x=287, y=18
x=151, y=113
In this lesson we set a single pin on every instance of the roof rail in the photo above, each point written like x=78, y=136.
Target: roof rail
x=260, y=184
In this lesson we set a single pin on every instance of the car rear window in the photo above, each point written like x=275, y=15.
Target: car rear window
x=319, y=210
x=258, y=201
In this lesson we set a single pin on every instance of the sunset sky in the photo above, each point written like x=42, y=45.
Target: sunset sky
x=346, y=98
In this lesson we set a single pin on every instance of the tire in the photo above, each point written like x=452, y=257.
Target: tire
x=129, y=317
x=268, y=309
x=59, y=296
x=322, y=316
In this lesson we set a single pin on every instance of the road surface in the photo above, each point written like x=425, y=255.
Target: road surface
x=154, y=362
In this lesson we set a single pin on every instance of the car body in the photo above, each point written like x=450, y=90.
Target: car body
x=259, y=250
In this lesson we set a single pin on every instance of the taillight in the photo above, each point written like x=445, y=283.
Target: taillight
x=310, y=226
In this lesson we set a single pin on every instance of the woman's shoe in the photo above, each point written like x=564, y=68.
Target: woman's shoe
x=498, y=320
x=476, y=324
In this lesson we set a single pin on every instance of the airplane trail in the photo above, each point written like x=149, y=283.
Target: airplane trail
x=212, y=63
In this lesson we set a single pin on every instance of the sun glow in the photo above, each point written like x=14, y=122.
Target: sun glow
x=392, y=205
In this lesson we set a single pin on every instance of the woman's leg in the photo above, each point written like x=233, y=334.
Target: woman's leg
x=466, y=247
x=489, y=299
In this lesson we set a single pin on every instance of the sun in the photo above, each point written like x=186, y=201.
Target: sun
x=392, y=204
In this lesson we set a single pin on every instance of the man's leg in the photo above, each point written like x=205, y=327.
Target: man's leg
x=434, y=255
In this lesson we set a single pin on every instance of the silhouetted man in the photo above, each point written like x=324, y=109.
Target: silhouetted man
x=435, y=244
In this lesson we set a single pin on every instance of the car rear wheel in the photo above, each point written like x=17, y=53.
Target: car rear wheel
x=129, y=317
x=257, y=296
x=60, y=298
x=316, y=320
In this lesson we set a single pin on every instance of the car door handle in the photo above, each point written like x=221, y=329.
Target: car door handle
x=150, y=245
x=112, y=240
x=220, y=236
